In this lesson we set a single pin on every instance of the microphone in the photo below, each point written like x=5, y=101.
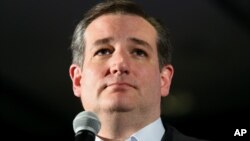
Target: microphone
x=86, y=125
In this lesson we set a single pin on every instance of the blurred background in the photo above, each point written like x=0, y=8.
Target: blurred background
x=210, y=95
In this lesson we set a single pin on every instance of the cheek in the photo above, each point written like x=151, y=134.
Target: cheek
x=93, y=70
x=91, y=81
x=92, y=76
x=150, y=91
x=149, y=77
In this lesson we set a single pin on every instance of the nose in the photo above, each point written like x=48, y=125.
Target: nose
x=119, y=63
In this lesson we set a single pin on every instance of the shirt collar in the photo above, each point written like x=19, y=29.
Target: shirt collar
x=152, y=132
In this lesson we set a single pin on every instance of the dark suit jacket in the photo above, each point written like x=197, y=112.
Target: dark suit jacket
x=172, y=134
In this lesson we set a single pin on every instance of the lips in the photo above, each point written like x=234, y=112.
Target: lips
x=119, y=87
x=118, y=84
x=121, y=84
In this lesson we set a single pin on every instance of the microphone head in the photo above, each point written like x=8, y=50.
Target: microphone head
x=86, y=120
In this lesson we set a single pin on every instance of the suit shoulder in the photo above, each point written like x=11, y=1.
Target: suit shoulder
x=174, y=135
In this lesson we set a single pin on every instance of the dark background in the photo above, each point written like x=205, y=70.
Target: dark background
x=209, y=98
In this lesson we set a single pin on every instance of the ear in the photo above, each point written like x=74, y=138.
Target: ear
x=167, y=73
x=75, y=75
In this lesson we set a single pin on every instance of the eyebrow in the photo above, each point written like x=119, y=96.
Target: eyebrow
x=140, y=42
x=132, y=39
x=103, y=41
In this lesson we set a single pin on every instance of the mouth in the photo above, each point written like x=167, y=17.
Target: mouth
x=119, y=85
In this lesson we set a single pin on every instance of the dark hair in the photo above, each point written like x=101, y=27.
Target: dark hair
x=119, y=7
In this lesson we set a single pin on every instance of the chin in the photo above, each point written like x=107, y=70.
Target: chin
x=119, y=107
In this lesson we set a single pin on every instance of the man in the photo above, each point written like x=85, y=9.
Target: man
x=121, y=69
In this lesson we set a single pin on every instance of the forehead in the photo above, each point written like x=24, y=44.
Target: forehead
x=121, y=26
x=120, y=17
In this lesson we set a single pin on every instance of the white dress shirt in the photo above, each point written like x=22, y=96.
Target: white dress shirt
x=152, y=132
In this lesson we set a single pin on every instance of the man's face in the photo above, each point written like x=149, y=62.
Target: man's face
x=121, y=70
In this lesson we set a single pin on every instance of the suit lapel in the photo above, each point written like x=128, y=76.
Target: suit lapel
x=168, y=135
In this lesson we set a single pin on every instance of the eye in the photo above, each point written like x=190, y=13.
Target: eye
x=139, y=52
x=103, y=51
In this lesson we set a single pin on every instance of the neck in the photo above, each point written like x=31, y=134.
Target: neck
x=121, y=125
